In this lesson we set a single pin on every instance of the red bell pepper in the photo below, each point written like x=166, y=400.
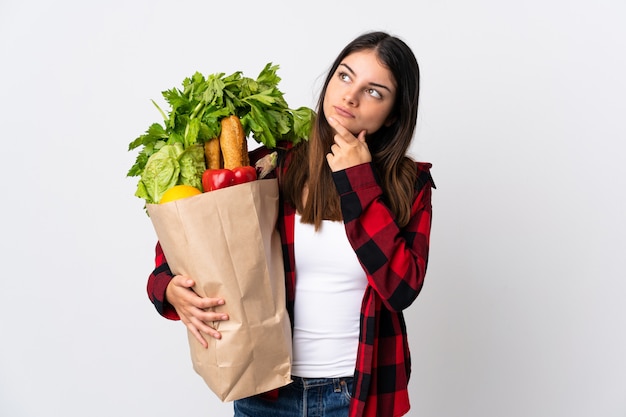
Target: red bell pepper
x=214, y=179
x=244, y=174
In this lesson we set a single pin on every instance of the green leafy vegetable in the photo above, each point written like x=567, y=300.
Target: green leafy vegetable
x=172, y=153
x=161, y=172
x=169, y=166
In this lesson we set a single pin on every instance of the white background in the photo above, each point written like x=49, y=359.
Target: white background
x=522, y=115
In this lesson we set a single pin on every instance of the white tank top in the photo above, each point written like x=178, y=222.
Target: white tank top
x=330, y=284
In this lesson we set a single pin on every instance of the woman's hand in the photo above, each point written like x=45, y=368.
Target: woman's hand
x=348, y=150
x=193, y=310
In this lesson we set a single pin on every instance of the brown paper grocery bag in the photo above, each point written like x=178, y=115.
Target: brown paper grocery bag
x=227, y=242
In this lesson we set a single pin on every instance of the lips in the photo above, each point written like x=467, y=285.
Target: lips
x=343, y=112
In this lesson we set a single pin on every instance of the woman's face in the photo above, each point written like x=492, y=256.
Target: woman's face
x=361, y=93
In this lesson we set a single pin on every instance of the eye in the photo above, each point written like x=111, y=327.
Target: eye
x=343, y=76
x=374, y=93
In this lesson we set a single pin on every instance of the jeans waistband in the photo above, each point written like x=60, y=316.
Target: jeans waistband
x=318, y=382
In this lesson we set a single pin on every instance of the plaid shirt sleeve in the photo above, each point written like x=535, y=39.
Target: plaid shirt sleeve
x=157, y=284
x=395, y=261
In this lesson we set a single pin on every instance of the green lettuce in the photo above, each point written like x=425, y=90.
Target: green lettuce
x=169, y=166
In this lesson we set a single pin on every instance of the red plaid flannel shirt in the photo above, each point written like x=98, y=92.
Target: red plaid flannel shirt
x=395, y=261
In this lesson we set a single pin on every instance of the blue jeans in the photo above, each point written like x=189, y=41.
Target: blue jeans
x=305, y=397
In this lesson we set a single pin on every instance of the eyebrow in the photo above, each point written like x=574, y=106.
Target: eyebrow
x=372, y=84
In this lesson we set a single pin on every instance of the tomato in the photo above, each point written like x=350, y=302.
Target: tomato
x=214, y=179
x=244, y=174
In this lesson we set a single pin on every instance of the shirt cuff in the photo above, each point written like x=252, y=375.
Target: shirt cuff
x=355, y=178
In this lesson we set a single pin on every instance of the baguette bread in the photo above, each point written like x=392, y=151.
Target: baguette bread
x=233, y=143
x=213, y=154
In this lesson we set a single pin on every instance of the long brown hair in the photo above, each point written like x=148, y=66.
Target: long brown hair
x=388, y=146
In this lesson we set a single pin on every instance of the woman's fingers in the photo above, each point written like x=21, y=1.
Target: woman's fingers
x=343, y=136
x=197, y=313
x=200, y=322
x=198, y=336
x=348, y=150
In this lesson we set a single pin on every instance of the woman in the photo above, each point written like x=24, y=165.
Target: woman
x=355, y=225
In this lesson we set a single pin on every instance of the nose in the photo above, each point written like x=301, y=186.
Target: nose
x=350, y=97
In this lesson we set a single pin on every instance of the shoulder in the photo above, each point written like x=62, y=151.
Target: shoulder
x=424, y=176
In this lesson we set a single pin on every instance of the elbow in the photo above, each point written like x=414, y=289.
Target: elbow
x=403, y=296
